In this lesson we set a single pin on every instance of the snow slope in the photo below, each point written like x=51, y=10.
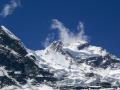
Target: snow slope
x=59, y=66
x=65, y=60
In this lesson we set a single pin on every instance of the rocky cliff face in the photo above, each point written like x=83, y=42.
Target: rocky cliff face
x=15, y=63
x=63, y=67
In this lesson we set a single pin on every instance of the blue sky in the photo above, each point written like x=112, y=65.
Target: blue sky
x=31, y=20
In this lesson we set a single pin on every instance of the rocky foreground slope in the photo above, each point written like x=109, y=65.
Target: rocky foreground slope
x=59, y=66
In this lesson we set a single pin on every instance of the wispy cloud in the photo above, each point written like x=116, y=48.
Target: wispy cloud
x=66, y=36
x=64, y=33
x=81, y=35
x=9, y=8
x=48, y=40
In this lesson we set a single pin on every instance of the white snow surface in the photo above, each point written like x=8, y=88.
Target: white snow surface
x=88, y=50
x=28, y=87
x=64, y=65
x=76, y=72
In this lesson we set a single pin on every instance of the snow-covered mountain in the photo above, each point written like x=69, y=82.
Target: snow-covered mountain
x=60, y=66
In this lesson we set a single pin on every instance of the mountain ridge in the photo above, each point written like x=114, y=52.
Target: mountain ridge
x=59, y=66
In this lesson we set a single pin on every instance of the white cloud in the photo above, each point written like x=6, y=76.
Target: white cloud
x=64, y=33
x=48, y=40
x=66, y=36
x=81, y=35
x=10, y=7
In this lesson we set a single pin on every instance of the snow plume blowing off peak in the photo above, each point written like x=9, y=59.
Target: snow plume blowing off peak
x=66, y=36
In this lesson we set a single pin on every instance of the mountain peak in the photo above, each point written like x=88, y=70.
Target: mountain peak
x=74, y=64
x=56, y=45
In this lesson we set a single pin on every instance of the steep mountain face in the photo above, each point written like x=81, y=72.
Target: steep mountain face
x=16, y=65
x=60, y=66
